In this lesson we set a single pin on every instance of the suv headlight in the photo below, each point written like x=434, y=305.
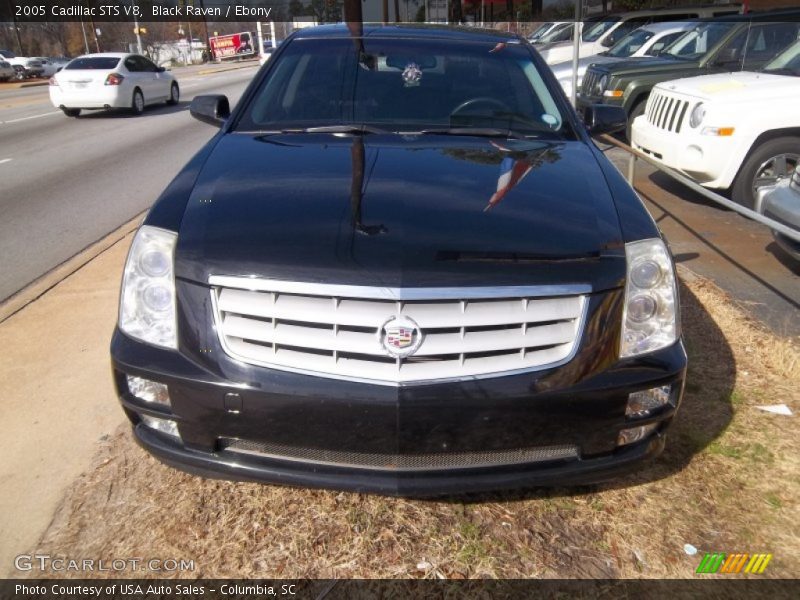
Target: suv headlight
x=697, y=116
x=650, y=317
x=147, y=301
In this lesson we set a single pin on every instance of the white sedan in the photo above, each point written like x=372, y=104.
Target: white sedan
x=111, y=80
x=736, y=131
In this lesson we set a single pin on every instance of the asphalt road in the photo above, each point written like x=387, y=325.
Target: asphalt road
x=65, y=183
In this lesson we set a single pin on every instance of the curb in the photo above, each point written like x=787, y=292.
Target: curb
x=223, y=69
x=22, y=84
x=34, y=290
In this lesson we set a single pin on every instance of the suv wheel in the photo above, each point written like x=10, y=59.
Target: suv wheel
x=72, y=112
x=767, y=164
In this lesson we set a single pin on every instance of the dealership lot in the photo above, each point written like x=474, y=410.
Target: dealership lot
x=71, y=182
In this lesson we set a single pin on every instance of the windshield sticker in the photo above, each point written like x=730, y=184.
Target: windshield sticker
x=412, y=75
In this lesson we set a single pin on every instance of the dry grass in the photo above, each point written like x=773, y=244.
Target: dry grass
x=727, y=482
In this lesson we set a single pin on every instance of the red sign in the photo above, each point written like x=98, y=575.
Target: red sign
x=233, y=45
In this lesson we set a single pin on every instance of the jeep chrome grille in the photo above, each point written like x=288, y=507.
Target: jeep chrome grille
x=665, y=111
x=350, y=332
x=590, y=79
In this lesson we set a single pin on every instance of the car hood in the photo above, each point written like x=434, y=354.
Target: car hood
x=401, y=211
x=562, y=51
x=563, y=70
x=736, y=87
x=643, y=66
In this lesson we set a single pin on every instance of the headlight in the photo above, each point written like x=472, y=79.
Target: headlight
x=697, y=116
x=147, y=301
x=651, y=299
x=600, y=85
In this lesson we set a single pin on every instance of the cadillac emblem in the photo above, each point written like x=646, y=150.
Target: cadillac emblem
x=400, y=336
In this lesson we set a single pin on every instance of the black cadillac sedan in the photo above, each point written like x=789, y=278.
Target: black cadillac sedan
x=402, y=267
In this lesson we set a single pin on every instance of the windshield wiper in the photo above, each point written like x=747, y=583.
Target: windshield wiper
x=474, y=131
x=343, y=129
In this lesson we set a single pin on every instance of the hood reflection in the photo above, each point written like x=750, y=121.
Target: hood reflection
x=357, y=155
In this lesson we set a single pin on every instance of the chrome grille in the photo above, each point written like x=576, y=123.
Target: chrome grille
x=402, y=462
x=335, y=331
x=666, y=111
x=590, y=78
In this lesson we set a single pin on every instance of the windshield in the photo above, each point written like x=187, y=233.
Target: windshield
x=592, y=34
x=403, y=85
x=630, y=43
x=539, y=30
x=94, y=62
x=787, y=62
x=699, y=41
x=560, y=33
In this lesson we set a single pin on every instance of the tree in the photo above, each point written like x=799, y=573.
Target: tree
x=458, y=14
x=296, y=8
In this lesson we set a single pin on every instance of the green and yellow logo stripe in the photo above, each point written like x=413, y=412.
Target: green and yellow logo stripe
x=720, y=562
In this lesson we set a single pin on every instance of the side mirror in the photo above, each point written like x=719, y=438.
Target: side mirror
x=609, y=41
x=726, y=56
x=601, y=118
x=160, y=69
x=213, y=109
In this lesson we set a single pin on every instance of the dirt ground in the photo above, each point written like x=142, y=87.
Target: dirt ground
x=728, y=482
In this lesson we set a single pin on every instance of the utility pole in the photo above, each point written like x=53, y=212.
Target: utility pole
x=135, y=30
x=352, y=11
x=85, y=40
x=576, y=50
x=205, y=28
x=191, y=50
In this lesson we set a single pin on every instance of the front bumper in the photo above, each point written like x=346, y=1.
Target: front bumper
x=704, y=158
x=247, y=422
x=584, y=101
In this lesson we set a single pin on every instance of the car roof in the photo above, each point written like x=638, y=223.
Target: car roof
x=663, y=26
x=450, y=32
x=105, y=55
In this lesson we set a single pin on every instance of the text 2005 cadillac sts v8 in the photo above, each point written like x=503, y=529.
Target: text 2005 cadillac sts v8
x=402, y=267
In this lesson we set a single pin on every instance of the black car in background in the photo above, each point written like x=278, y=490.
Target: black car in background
x=402, y=266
